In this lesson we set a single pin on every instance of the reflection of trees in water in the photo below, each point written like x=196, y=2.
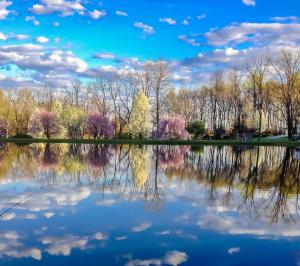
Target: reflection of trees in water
x=267, y=178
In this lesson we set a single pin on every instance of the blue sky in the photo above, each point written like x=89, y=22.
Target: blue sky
x=51, y=41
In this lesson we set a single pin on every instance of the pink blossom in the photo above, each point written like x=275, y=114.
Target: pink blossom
x=99, y=126
x=171, y=128
x=45, y=122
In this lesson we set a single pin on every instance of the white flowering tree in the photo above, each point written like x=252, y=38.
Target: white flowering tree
x=139, y=122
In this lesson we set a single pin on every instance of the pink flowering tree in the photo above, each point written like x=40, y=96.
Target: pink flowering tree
x=3, y=128
x=45, y=122
x=99, y=126
x=171, y=128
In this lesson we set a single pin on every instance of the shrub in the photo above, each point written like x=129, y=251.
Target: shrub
x=196, y=128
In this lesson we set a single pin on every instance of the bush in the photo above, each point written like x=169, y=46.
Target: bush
x=196, y=128
x=208, y=135
x=219, y=133
x=22, y=136
x=267, y=133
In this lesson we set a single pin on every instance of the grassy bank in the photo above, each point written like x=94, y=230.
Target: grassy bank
x=255, y=142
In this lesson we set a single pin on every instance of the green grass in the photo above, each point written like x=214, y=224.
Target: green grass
x=264, y=142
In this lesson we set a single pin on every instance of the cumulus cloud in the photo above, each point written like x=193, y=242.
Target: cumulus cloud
x=190, y=41
x=3, y=37
x=257, y=33
x=121, y=13
x=169, y=21
x=249, y=2
x=35, y=22
x=147, y=29
x=42, y=39
x=96, y=14
x=4, y=12
x=62, y=7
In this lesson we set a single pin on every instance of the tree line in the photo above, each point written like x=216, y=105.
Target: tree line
x=261, y=98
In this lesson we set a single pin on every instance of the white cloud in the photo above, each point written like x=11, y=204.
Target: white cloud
x=42, y=39
x=249, y=2
x=280, y=19
x=147, y=29
x=202, y=16
x=63, y=7
x=121, y=13
x=96, y=14
x=257, y=33
x=141, y=227
x=35, y=22
x=169, y=21
x=3, y=9
x=2, y=37
x=104, y=56
x=190, y=41
x=185, y=22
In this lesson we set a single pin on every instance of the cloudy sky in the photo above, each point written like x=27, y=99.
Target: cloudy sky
x=53, y=41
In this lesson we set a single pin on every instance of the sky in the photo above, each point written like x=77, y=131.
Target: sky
x=50, y=42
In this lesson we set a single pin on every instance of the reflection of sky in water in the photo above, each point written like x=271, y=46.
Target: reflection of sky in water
x=149, y=206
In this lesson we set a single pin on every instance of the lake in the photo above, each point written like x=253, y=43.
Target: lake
x=154, y=205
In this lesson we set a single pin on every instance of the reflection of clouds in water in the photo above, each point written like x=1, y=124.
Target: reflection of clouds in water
x=141, y=227
x=11, y=246
x=45, y=199
x=11, y=215
x=106, y=202
x=173, y=258
x=119, y=238
x=242, y=225
x=163, y=233
x=234, y=250
x=64, y=244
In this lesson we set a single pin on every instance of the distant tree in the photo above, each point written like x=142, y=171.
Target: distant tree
x=73, y=119
x=45, y=122
x=139, y=122
x=21, y=108
x=196, y=128
x=171, y=128
x=3, y=127
x=99, y=126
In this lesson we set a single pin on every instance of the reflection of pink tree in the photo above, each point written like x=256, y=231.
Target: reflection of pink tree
x=45, y=122
x=99, y=156
x=99, y=126
x=172, y=156
x=50, y=159
x=171, y=128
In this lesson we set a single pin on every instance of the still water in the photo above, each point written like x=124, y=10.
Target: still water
x=154, y=205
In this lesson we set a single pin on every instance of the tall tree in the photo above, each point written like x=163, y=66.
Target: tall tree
x=139, y=123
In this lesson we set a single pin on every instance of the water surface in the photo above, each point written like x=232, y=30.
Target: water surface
x=154, y=205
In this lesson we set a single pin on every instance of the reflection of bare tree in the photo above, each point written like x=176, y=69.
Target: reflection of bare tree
x=267, y=178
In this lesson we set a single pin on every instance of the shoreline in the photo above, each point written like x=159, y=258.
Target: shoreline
x=285, y=143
